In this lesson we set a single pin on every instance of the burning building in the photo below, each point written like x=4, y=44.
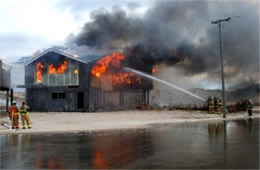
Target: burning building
x=56, y=81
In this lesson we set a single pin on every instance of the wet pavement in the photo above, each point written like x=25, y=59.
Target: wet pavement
x=204, y=145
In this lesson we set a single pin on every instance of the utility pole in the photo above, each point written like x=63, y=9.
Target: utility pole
x=219, y=21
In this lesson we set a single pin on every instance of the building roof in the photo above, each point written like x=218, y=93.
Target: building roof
x=91, y=58
x=56, y=51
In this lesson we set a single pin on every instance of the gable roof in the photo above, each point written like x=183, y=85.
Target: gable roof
x=90, y=58
x=56, y=51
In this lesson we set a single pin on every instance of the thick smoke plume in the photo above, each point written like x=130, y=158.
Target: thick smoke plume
x=180, y=33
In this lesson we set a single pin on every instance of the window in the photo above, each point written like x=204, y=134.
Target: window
x=61, y=95
x=54, y=95
x=57, y=73
x=58, y=96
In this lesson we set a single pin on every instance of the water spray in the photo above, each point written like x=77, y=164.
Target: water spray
x=162, y=81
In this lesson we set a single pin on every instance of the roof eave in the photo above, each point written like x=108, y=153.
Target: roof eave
x=56, y=51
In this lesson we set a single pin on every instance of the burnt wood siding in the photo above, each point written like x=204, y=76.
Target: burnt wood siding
x=83, y=75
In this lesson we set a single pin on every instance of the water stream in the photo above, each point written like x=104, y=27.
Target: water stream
x=162, y=81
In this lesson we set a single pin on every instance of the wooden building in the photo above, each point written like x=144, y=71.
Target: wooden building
x=56, y=81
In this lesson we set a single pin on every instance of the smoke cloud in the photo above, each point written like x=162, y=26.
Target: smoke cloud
x=180, y=34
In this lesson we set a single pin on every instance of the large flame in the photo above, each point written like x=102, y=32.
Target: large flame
x=52, y=69
x=110, y=60
x=114, y=60
x=39, y=69
x=125, y=78
x=60, y=69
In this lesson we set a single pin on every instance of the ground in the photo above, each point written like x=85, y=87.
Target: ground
x=73, y=122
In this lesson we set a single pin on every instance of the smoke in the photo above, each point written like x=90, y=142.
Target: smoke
x=180, y=34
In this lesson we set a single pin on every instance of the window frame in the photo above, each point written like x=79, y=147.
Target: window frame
x=59, y=96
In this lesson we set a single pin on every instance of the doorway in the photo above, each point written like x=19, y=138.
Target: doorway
x=80, y=100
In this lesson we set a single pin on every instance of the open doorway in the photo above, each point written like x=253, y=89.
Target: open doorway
x=80, y=100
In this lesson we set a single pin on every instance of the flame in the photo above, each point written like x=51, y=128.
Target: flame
x=98, y=74
x=114, y=60
x=110, y=60
x=125, y=78
x=39, y=69
x=52, y=69
x=155, y=69
x=60, y=69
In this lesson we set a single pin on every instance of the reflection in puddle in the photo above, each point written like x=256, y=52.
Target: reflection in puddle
x=190, y=145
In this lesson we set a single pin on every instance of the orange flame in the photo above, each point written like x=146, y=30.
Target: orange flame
x=155, y=69
x=114, y=60
x=52, y=69
x=110, y=60
x=125, y=78
x=60, y=69
x=39, y=69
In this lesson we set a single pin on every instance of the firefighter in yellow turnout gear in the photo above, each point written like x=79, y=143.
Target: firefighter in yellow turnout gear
x=210, y=105
x=25, y=115
x=219, y=106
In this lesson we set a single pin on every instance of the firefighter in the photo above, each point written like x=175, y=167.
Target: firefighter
x=210, y=105
x=25, y=115
x=249, y=108
x=14, y=115
x=220, y=106
x=215, y=105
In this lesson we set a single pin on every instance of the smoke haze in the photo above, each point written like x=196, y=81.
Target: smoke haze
x=180, y=34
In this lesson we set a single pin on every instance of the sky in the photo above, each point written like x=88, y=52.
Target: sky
x=29, y=25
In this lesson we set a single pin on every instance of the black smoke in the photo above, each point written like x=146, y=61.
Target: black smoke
x=180, y=33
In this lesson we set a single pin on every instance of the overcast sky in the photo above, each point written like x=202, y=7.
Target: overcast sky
x=29, y=25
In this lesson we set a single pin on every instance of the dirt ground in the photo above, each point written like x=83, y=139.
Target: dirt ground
x=73, y=122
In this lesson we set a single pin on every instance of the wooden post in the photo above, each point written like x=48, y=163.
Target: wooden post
x=7, y=100
x=12, y=96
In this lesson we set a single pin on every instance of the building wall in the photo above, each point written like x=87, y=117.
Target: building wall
x=5, y=77
x=39, y=96
x=37, y=99
x=83, y=75
x=29, y=74
x=40, y=99
x=116, y=100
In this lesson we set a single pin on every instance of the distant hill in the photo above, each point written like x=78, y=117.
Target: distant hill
x=250, y=92
x=172, y=97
